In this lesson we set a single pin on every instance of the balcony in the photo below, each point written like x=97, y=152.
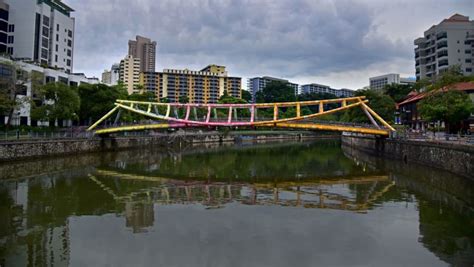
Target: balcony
x=443, y=53
x=442, y=44
x=441, y=35
x=442, y=63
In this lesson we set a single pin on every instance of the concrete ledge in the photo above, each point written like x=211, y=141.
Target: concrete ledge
x=455, y=158
x=15, y=150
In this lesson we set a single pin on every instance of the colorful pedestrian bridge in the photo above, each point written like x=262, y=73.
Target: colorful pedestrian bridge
x=297, y=115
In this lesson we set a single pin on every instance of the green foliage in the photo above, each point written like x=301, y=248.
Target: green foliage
x=145, y=97
x=98, y=99
x=183, y=99
x=246, y=96
x=398, y=92
x=228, y=99
x=60, y=101
x=452, y=75
x=382, y=104
x=276, y=92
x=451, y=107
x=315, y=96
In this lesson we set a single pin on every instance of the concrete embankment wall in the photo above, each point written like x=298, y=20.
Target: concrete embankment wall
x=15, y=150
x=455, y=158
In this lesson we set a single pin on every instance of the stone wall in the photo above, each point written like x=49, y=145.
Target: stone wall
x=15, y=150
x=455, y=158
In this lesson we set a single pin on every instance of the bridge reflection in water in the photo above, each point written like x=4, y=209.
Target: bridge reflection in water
x=320, y=193
x=93, y=204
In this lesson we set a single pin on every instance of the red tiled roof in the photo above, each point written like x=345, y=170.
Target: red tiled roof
x=457, y=18
x=463, y=86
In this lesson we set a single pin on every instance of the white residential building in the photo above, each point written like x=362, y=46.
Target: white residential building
x=325, y=89
x=130, y=73
x=43, y=32
x=379, y=82
x=449, y=43
x=21, y=116
x=111, y=77
x=258, y=83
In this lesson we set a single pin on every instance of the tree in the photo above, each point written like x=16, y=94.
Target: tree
x=12, y=89
x=97, y=100
x=145, y=96
x=247, y=96
x=60, y=102
x=183, y=99
x=276, y=92
x=454, y=74
x=228, y=99
x=398, y=92
x=452, y=107
x=382, y=104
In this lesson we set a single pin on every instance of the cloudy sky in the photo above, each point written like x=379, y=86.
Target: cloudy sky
x=335, y=42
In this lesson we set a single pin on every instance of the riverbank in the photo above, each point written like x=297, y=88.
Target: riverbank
x=18, y=150
x=455, y=158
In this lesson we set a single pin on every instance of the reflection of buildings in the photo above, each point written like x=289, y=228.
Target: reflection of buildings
x=445, y=204
x=38, y=245
x=139, y=215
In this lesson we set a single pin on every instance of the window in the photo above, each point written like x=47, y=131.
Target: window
x=57, y=37
x=3, y=37
x=3, y=14
x=45, y=32
x=69, y=53
x=68, y=63
x=11, y=28
x=3, y=26
x=10, y=39
x=50, y=79
x=45, y=42
x=56, y=58
x=5, y=71
x=44, y=53
x=468, y=70
x=69, y=43
x=56, y=48
x=467, y=51
x=57, y=27
x=10, y=50
x=45, y=20
x=69, y=33
x=468, y=60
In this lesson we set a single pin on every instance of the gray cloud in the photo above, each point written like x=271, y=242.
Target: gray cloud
x=304, y=40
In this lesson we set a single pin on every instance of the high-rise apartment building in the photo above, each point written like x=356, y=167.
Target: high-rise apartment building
x=111, y=77
x=42, y=31
x=257, y=84
x=144, y=49
x=447, y=44
x=325, y=89
x=130, y=73
x=6, y=37
x=379, y=82
x=204, y=86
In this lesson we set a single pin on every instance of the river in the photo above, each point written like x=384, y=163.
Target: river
x=271, y=204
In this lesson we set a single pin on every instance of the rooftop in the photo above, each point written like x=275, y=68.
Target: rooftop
x=415, y=96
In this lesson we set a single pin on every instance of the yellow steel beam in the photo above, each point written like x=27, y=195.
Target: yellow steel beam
x=323, y=127
x=103, y=118
x=132, y=128
x=258, y=123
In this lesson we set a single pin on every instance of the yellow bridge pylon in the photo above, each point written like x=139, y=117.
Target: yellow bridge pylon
x=174, y=115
